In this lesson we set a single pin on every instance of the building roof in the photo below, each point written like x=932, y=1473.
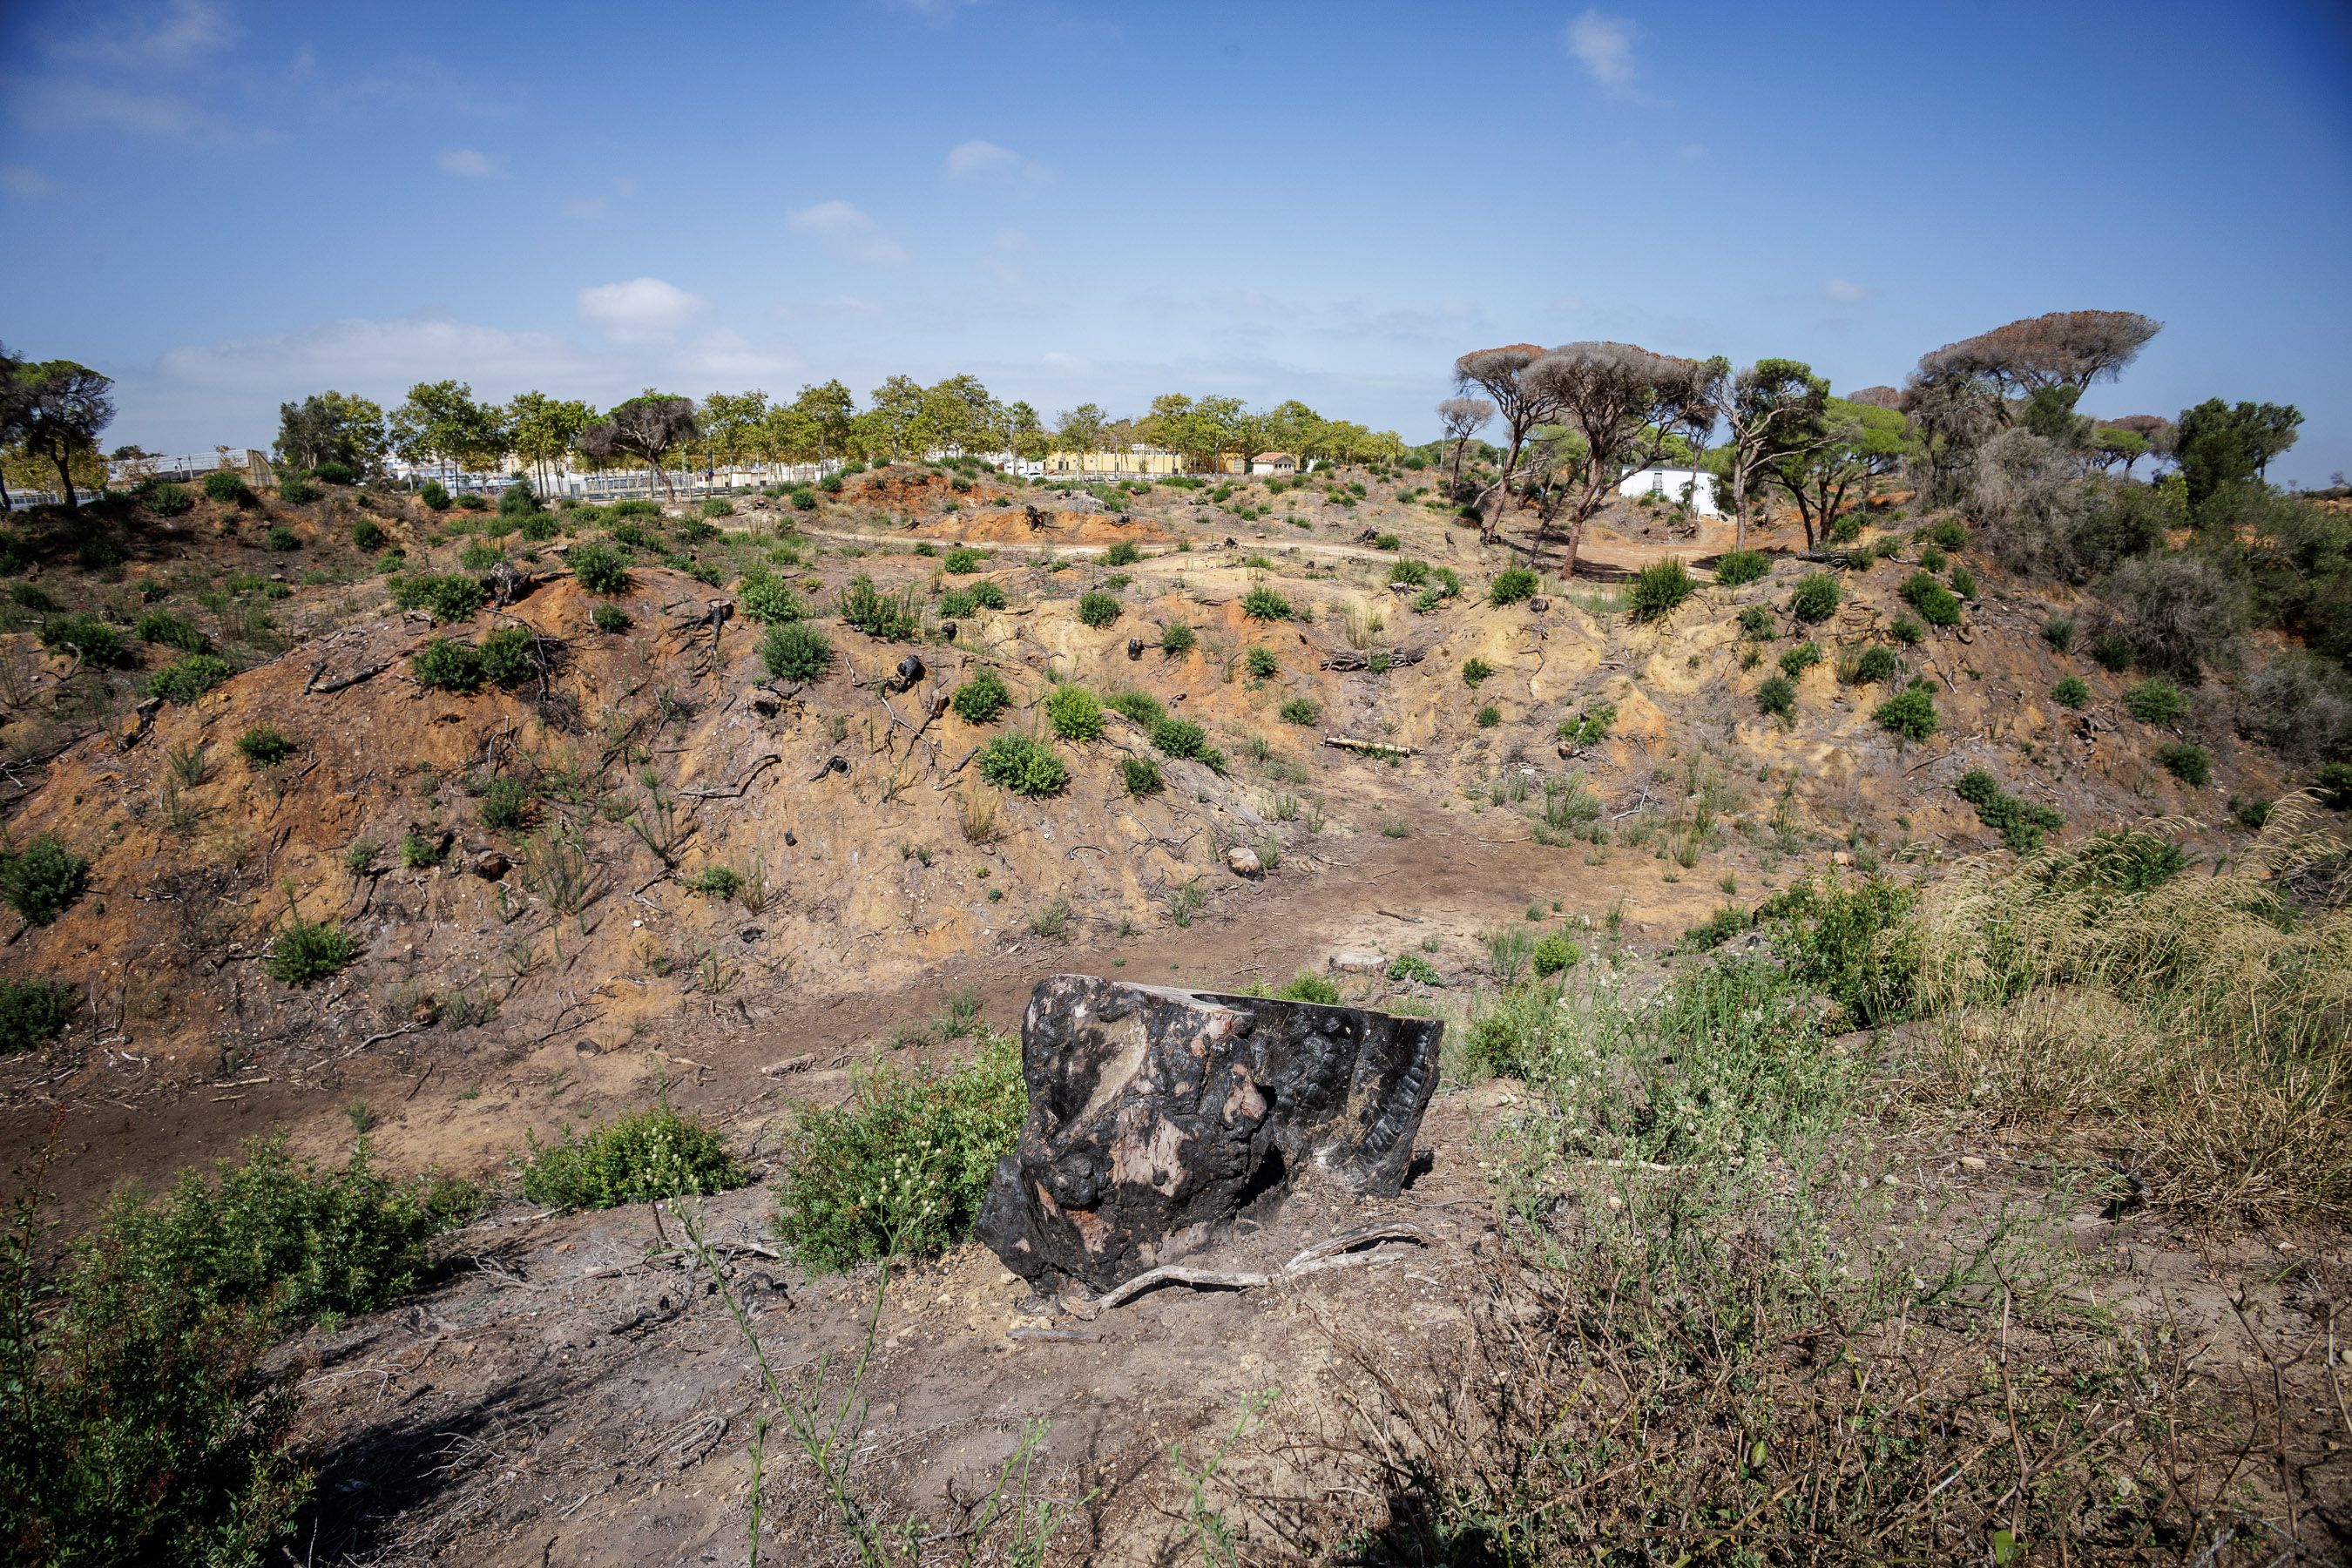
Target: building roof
x=1274, y=456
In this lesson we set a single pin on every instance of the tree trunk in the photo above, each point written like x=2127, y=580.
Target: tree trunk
x=1738, y=501
x=65, y=476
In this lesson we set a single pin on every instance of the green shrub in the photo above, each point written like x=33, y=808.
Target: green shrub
x=42, y=879
x=368, y=534
x=445, y=664
x=1308, y=986
x=1180, y=738
x=1963, y=582
x=417, y=851
x=1122, y=553
x=1176, y=639
x=265, y=746
x=2190, y=764
x=456, y=596
x=1555, y=953
x=2112, y=651
x=1910, y=713
x=766, y=597
x=1937, y=605
x=1097, y=609
x=988, y=596
x=33, y=1012
x=307, y=951
x=609, y=618
x=1075, y=713
x=168, y=630
x=506, y=805
x=714, y=882
x=980, y=698
x=281, y=538
x=867, y=608
x=1263, y=603
x=1023, y=764
x=955, y=604
x=2071, y=691
x=2019, y=823
x=638, y=1157
x=474, y=500
x=222, y=485
x=1141, y=706
x=84, y=635
x=719, y=505
x=1856, y=943
x=1777, y=696
x=903, y=1166
x=1757, y=622
x=1302, y=710
x=1795, y=661
x=434, y=494
x=1931, y=559
x=1876, y=663
x=1261, y=663
x=1512, y=586
x=794, y=651
x=1737, y=567
x=2333, y=785
x=1141, y=776
x=961, y=561
x=334, y=473
x=2157, y=700
x=1590, y=726
x=599, y=567
x=804, y=501
x=97, y=552
x=168, y=499
x=1905, y=630
x=2058, y=631
x=1411, y=573
x=1659, y=587
x=480, y=556
x=1816, y=598
x=508, y=655
x=1950, y=535
x=1474, y=671
x=1716, y=929
x=185, y=680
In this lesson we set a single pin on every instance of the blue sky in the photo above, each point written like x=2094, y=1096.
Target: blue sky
x=225, y=205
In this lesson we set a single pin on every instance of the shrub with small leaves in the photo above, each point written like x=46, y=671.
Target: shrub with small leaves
x=1261, y=663
x=369, y=534
x=1263, y=603
x=168, y=630
x=1474, y=671
x=609, y=618
x=2333, y=785
x=307, y=951
x=168, y=499
x=281, y=538
x=2112, y=651
x=1909, y=713
x=2156, y=702
x=455, y=596
x=1176, y=639
x=445, y=664
x=1777, y=696
x=226, y=486
x=988, y=596
x=1659, y=587
x=1122, y=553
x=1488, y=717
x=1075, y=713
x=867, y=608
x=795, y=650
x=1905, y=630
x=88, y=637
x=506, y=805
x=1140, y=775
x=1023, y=764
x=33, y=1012
x=1555, y=953
x=1755, y=621
x=42, y=879
x=768, y=598
x=1141, y=706
x=2058, y=631
x=1737, y=567
x=1310, y=986
x=1937, y=605
x=1590, y=727
x=1950, y=534
x=2019, y=823
x=1875, y=663
x=2073, y=691
x=641, y=1156
x=714, y=882
x=1097, y=609
x=1411, y=573
x=418, y=851
x=599, y=567
x=1302, y=710
x=1963, y=582
x=265, y=746
x=2190, y=764
x=185, y=680
x=957, y=602
x=1512, y=586
x=1816, y=598
x=1180, y=738
x=434, y=494
x=1796, y=660
x=509, y=655
x=961, y=561
x=980, y=698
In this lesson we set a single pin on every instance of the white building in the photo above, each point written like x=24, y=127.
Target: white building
x=1278, y=463
x=1672, y=485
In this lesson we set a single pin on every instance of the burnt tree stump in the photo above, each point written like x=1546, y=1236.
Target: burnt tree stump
x=1158, y=1115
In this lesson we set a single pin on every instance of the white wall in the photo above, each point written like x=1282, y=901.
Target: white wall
x=1669, y=483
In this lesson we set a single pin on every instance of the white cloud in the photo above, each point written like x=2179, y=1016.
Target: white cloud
x=172, y=35
x=1604, y=46
x=641, y=309
x=850, y=232
x=59, y=103
x=976, y=163
x=465, y=162
x=727, y=353
x=1845, y=293
x=19, y=181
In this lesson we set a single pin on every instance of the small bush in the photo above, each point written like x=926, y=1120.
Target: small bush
x=1816, y=599
x=1659, y=587
x=795, y=650
x=599, y=567
x=1875, y=663
x=2333, y=785
x=2073, y=691
x=1905, y=630
x=641, y=1156
x=1757, y=622
x=718, y=506
x=1261, y=663
x=2058, y=631
x=1141, y=776
x=980, y=700
x=609, y=618
x=334, y=473
x=506, y=805
x=1855, y=942
x=1411, y=573
x=961, y=561
x=1909, y=713
x=265, y=746
x=903, y=1166
x=168, y=499
x=88, y=637
x=1263, y=603
x=42, y=879
x=1512, y=586
x=1488, y=717
x=1738, y=567
x=168, y=630
x=417, y=851
x=1308, y=986
x=767, y=598
x=2019, y=823
x=867, y=608
x=956, y=603
x=2190, y=764
x=1937, y=605
x=480, y=556
x=1075, y=713
x=1097, y=609
x=1555, y=953
x=1963, y=582
x=185, y=680
x=222, y=485
x=33, y=1012
x=1777, y=696
x=445, y=664
x=508, y=655
x=1023, y=764
x=1796, y=660
x=2113, y=652
x=1590, y=727
x=1474, y=671
x=307, y=951
x=1180, y=738
x=1141, y=706
x=1302, y=710
x=434, y=494
x=1950, y=535
x=2157, y=700
x=988, y=596
x=1176, y=639
x=368, y=534
x=456, y=596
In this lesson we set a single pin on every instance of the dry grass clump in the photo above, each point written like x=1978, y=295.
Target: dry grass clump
x=2191, y=1036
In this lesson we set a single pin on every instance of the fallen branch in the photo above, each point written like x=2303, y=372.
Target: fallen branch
x=1335, y=1253
x=1377, y=748
x=368, y=672
x=740, y=785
